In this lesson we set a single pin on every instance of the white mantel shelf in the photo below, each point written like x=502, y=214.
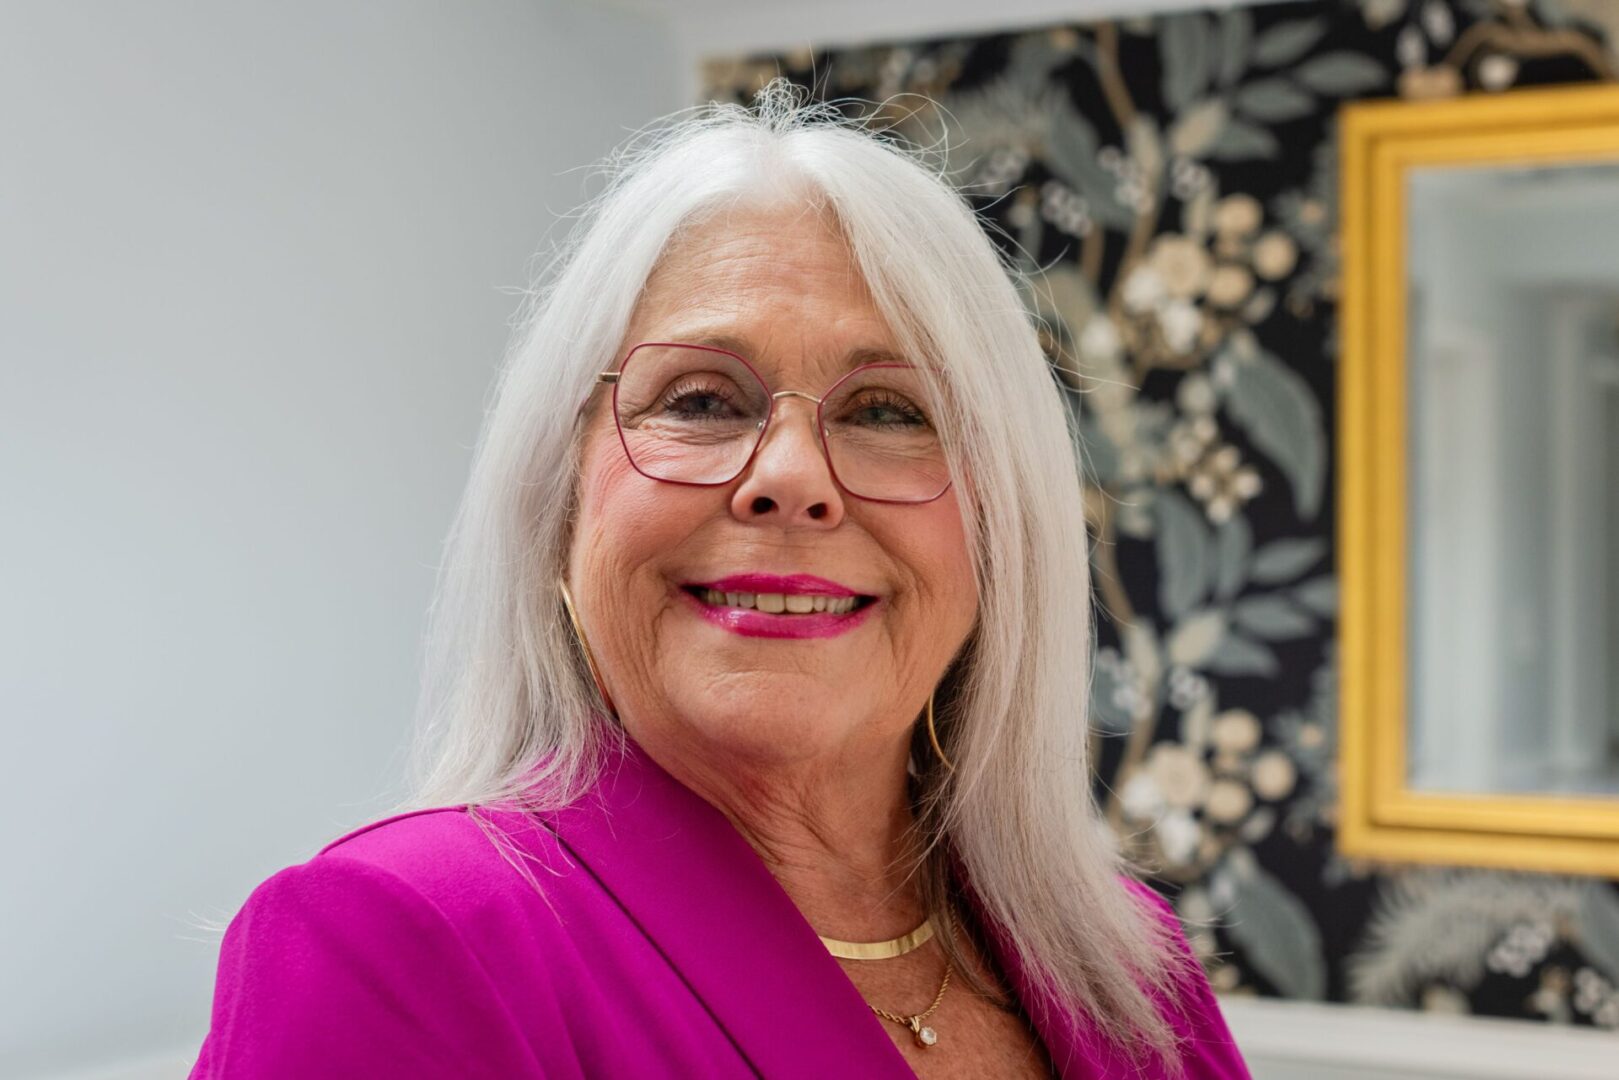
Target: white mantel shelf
x=1293, y=1040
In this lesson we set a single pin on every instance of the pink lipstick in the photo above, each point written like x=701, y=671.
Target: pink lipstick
x=780, y=606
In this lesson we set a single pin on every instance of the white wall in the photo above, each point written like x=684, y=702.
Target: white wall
x=251, y=272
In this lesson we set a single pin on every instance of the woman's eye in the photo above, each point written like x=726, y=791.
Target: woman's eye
x=885, y=411
x=697, y=403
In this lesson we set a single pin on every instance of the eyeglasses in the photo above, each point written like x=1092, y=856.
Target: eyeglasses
x=696, y=414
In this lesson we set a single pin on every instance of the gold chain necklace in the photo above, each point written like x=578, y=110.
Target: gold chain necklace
x=924, y=1034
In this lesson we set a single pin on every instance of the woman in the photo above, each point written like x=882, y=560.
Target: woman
x=756, y=713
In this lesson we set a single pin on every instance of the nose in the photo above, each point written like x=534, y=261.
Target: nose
x=789, y=481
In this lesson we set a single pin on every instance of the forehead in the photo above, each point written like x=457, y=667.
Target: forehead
x=779, y=285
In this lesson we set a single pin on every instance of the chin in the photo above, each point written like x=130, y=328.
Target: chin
x=765, y=730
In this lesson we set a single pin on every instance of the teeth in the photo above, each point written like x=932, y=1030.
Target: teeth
x=777, y=603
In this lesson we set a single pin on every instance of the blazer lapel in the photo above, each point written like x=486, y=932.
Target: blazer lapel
x=695, y=888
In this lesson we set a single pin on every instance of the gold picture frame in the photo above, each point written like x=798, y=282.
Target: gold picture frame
x=1380, y=816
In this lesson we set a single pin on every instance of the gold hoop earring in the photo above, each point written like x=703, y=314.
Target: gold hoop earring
x=933, y=736
x=584, y=644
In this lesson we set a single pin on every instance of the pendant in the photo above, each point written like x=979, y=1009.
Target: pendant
x=925, y=1036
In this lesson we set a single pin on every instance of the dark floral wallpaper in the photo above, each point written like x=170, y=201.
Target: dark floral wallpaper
x=1175, y=178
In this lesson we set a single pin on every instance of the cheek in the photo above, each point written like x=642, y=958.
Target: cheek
x=628, y=529
x=936, y=546
x=961, y=565
x=619, y=515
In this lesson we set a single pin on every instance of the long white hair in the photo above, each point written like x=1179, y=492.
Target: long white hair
x=509, y=711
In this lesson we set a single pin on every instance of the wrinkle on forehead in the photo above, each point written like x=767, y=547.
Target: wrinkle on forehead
x=741, y=213
x=766, y=280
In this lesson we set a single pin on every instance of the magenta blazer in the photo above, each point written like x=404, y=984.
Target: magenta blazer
x=662, y=947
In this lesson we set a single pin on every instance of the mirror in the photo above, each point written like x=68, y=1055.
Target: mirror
x=1513, y=384
x=1478, y=481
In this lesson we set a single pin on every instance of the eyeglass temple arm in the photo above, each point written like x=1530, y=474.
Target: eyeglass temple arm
x=608, y=377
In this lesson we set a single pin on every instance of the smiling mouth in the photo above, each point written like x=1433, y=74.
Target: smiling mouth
x=780, y=603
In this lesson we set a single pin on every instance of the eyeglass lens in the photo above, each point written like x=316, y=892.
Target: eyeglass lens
x=695, y=416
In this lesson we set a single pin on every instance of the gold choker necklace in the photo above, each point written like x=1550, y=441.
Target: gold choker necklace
x=881, y=950
x=925, y=1035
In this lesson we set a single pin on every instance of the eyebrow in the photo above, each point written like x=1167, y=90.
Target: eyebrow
x=742, y=347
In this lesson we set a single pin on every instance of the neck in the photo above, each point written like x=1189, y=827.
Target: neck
x=838, y=833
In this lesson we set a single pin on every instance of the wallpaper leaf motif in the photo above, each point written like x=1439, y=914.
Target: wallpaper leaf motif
x=1235, y=542
x=1283, y=560
x=1275, y=930
x=1320, y=595
x=1241, y=140
x=1185, y=555
x=1272, y=618
x=1286, y=41
x=1072, y=157
x=1343, y=74
x=1236, y=39
x=1188, y=58
x=1272, y=100
x=1167, y=188
x=1284, y=419
x=1238, y=655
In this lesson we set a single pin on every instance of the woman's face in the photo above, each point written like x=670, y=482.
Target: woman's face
x=693, y=678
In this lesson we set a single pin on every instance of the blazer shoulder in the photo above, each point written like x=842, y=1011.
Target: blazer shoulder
x=1161, y=906
x=433, y=814
x=1149, y=895
x=321, y=974
x=458, y=857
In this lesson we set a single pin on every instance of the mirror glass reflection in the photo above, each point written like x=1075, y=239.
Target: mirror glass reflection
x=1513, y=542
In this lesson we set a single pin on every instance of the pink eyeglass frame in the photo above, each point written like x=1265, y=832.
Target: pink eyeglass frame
x=611, y=378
